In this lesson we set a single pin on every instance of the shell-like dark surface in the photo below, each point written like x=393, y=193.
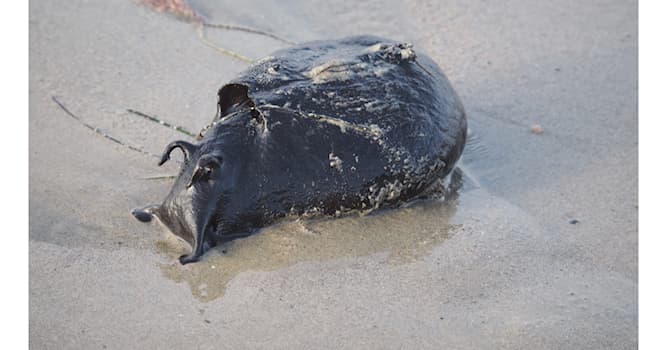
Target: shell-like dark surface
x=389, y=121
x=324, y=127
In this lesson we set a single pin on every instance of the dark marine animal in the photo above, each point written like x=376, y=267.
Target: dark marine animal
x=324, y=127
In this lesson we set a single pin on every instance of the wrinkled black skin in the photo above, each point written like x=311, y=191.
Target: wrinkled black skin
x=271, y=159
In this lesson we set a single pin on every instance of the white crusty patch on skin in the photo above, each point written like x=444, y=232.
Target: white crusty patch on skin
x=339, y=70
x=372, y=131
x=405, y=49
x=265, y=59
x=407, y=53
x=376, y=47
x=335, y=162
x=375, y=106
x=380, y=71
x=313, y=72
x=330, y=71
x=385, y=192
x=396, y=51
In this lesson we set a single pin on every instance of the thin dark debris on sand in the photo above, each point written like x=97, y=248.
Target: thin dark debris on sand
x=182, y=10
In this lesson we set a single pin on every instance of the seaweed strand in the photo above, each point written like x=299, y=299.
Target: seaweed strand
x=247, y=30
x=182, y=9
x=201, y=33
x=100, y=132
x=162, y=122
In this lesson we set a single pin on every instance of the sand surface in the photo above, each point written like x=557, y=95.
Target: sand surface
x=538, y=249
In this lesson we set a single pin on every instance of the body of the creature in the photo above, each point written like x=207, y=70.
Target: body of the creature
x=325, y=127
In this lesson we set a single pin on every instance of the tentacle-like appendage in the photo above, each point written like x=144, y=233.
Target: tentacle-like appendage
x=187, y=148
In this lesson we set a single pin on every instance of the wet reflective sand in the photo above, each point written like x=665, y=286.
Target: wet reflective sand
x=405, y=235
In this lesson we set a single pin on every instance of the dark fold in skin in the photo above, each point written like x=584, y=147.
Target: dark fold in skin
x=326, y=128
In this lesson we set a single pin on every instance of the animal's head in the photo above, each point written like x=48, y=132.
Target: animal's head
x=198, y=192
x=209, y=174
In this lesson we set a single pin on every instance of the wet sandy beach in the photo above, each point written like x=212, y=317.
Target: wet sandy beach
x=536, y=249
